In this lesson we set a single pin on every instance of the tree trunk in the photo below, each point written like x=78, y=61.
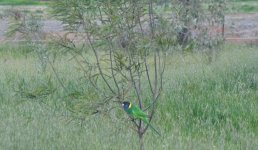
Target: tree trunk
x=141, y=141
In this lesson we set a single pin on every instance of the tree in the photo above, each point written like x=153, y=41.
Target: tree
x=196, y=24
x=128, y=42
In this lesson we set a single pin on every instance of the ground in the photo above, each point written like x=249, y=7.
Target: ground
x=242, y=28
x=239, y=28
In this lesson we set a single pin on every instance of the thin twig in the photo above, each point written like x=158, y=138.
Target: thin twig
x=111, y=65
x=97, y=59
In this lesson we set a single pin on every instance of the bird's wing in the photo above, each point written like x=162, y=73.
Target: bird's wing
x=139, y=114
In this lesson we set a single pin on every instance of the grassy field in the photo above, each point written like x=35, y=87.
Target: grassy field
x=242, y=6
x=22, y=2
x=233, y=6
x=204, y=106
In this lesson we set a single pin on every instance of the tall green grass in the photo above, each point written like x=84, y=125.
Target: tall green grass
x=22, y=2
x=249, y=6
x=204, y=105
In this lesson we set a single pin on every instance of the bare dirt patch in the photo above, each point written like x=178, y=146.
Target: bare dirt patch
x=239, y=28
x=242, y=28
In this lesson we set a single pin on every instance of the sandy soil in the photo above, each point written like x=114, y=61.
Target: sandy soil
x=242, y=28
x=239, y=28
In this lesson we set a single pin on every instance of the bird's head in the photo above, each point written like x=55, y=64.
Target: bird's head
x=126, y=105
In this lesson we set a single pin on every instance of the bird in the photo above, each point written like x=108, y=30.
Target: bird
x=136, y=113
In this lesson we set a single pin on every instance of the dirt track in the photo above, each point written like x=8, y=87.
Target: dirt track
x=239, y=28
x=242, y=28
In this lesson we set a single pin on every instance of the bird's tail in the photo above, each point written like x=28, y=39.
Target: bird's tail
x=153, y=129
x=146, y=121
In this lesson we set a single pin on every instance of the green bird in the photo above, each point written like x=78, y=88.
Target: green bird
x=136, y=113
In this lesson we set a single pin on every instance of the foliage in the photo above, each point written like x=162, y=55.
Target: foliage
x=199, y=25
x=29, y=27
